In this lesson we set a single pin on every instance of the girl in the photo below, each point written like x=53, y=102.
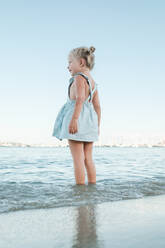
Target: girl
x=79, y=118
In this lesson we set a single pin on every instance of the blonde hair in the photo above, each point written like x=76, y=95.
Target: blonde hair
x=86, y=53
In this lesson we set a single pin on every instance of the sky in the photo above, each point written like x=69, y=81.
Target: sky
x=36, y=37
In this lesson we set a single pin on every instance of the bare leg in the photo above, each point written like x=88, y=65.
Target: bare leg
x=89, y=164
x=77, y=151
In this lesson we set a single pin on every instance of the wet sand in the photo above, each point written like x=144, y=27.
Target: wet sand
x=122, y=224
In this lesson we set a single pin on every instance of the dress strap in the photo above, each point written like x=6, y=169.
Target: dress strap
x=95, y=87
x=70, y=83
x=89, y=83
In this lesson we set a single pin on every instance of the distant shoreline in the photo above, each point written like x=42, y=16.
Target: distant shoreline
x=55, y=146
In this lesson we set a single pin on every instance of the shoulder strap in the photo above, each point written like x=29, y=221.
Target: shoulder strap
x=88, y=81
x=94, y=88
x=70, y=82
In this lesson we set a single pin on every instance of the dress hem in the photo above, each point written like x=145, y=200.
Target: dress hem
x=78, y=139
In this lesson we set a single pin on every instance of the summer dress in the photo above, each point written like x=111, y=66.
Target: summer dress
x=87, y=121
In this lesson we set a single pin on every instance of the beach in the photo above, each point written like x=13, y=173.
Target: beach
x=118, y=224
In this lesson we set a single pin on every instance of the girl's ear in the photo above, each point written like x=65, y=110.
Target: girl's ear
x=82, y=62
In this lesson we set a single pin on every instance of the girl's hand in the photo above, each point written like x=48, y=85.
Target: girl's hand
x=73, y=126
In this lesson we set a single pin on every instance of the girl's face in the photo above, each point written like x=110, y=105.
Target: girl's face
x=75, y=64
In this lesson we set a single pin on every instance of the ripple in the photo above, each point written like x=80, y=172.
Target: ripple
x=46, y=180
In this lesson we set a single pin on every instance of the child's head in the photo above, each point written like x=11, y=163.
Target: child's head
x=81, y=59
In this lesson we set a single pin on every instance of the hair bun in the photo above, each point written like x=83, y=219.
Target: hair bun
x=92, y=49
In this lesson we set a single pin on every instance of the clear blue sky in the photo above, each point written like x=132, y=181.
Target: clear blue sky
x=36, y=37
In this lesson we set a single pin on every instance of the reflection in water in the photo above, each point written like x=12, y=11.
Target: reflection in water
x=86, y=227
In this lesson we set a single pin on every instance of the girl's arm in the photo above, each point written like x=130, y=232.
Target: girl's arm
x=80, y=96
x=96, y=105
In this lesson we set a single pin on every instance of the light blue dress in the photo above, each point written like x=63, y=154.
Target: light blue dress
x=87, y=121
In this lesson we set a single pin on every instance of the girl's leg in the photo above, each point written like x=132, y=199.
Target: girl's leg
x=77, y=151
x=89, y=164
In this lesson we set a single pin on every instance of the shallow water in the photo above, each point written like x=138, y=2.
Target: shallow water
x=33, y=178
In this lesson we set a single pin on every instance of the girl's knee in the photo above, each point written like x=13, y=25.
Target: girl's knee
x=88, y=161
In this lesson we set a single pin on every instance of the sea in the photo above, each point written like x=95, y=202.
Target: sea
x=43, y=177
